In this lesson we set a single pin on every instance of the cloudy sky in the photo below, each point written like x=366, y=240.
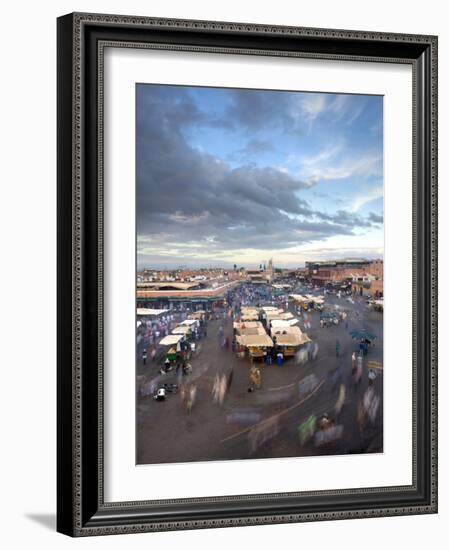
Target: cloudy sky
x=230, y=176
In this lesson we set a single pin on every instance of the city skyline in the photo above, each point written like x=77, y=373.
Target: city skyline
x=254, y=265
x=230, y=176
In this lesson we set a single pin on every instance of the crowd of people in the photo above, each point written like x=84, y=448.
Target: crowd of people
x=320, y=430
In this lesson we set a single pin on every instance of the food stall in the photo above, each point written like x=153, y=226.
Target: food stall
x=256, y=344
x=286, y=315
x=275, y=315
x=249, y=327
x=150, y=312
x=191, y=323
x=278, y=327
x=377, y=305
x=289, y=339
x=182, y=330
x=250, y=314
x=315, y=302
x=172, y=341
x=200, y=314
x=301, y=301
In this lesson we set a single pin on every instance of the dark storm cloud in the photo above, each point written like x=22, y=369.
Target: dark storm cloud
x=258, y=109
x=348, y=219
x=171, y=105
x=187, y=196
x=375, y=218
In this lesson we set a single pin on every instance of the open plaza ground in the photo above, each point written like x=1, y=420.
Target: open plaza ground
x=309, y=405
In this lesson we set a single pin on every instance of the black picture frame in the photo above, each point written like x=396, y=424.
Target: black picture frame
x=81, y=510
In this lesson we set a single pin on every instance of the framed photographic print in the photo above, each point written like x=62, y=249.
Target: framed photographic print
x=247, y=252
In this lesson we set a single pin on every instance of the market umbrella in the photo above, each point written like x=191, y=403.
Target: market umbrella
x=362, y=334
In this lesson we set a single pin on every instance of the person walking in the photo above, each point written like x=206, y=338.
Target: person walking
x=144, y=356
x=230, y=377
x=191, y=398
x=279, y=358
x=358, y=371
x=255, y=378
x=167, y=364
x=337, y=348
x=341, y=399
x=371, y=376
x=273, y=351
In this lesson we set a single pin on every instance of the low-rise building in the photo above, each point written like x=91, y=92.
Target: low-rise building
x=337, y=271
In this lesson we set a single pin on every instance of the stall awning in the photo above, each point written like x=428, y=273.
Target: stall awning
x=287, y=315
x=250, y=309
x=151, y=311
x=255, y=340
x=282, y=323
x=249, y=327
x=362, y=334
x=170, y=340
x=250, y=316
x=286, y=328
x=251, y=330
x=197, y=314
x=247, y=324
x=292, y=339
x=181, y=330
x=299, y=298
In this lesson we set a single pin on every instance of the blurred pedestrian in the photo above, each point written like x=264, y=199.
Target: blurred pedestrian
x=358, y=371
x=255, y=378
x=372, y=375
x=191, y=396
x=341, y=399
x=336, y=377
x=230, y=378
x=306, y=430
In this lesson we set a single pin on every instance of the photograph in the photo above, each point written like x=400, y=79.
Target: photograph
x=226, y=220
x=259, y=273
x=232, y=200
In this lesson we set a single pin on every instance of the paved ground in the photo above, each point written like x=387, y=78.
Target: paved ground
x=263, y=423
